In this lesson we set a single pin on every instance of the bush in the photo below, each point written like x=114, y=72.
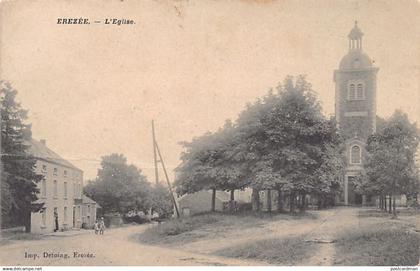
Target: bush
x=139, y=219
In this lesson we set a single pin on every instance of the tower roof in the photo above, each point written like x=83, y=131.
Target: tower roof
x=355, y=33
x=355, y=60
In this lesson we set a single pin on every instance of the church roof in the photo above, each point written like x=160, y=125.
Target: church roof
x=355, y=59
x=355, y=33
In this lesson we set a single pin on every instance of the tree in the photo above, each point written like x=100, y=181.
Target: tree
x=211, y=162
x=120, y=187
x=391, y=167
x=18, y=176
x=280, y=142
x=195, y=172
x=286, y=140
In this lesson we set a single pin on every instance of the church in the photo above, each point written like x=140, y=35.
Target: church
x=355, y=111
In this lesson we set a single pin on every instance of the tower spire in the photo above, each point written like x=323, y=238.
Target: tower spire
x=355, y=38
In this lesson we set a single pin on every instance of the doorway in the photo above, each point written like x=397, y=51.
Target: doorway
x=74, y=217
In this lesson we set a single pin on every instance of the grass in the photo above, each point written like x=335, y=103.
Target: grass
x=290, y=251
x=379, y=213
x=164, y=231
x=189, y=229
x=382, y=247
x=7, y=237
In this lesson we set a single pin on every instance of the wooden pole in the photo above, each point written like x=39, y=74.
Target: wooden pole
x=154, y=153
x=167, y=179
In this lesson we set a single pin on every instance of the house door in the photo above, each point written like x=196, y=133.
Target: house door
x=55, y=219
x=74, y=217
x=353, y=196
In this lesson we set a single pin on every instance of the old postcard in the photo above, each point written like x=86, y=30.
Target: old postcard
x=210, y=133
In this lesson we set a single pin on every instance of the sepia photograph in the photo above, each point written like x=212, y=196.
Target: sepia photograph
x=210, y=133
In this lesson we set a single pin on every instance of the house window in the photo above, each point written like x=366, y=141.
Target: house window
x=352, y=92
x=65, y=173
x=355, y=154
x=44, y=217
x=55, y=172
x=44, y=168
x=65, y=214
x=55, y=188
x=356, y=63
x=44, y=188
x=360, y=93
x=65, y=189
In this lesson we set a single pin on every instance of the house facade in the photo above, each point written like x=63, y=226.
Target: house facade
x=61, y=192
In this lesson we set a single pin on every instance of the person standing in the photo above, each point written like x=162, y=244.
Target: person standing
x=101, y=226
x=96, y=226
x=56, y=220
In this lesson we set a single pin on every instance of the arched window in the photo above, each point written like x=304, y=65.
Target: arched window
x=355, y=155
x=360, y=94
x=352, y=92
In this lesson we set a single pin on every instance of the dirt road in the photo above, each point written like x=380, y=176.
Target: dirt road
x=116, y=247
x=121, y=246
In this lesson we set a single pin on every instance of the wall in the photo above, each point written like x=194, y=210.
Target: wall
x=198, y=202
x=59, y=201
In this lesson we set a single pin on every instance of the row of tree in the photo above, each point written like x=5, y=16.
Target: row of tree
x=391, y=168
x=121, y=188
x=282, y=142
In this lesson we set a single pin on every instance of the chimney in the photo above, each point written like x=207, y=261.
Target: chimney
x=43, y=142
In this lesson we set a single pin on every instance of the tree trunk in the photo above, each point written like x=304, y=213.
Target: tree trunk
x=304, y=202
x=232, y=200
x=292, y=202
x=381, y=202
x=279, y=201
x=255, y=200
x=269, y=200
x=394, y=212
x=390, y=204
x=384, y=199
x=213, y=200
x=27, y=221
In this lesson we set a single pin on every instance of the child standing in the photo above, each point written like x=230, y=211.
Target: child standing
x=101, y=226
x=96, y=226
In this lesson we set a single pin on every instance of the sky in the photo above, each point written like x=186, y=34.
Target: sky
x=92, y=90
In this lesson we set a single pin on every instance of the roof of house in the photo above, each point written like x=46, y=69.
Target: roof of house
x=221, y=195
x=87, y=200
x=41, y=151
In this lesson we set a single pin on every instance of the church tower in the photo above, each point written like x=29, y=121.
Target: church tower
x=355, y=109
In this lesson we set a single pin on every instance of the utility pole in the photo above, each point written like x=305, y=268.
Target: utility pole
x=154, y=153
x=167, y=181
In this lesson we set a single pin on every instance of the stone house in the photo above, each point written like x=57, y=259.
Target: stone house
x=61, y=192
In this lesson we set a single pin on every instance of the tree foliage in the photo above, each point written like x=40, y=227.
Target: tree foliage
x=281, y=142
x=391, y=167
x=119, y=187
x=18, y=176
